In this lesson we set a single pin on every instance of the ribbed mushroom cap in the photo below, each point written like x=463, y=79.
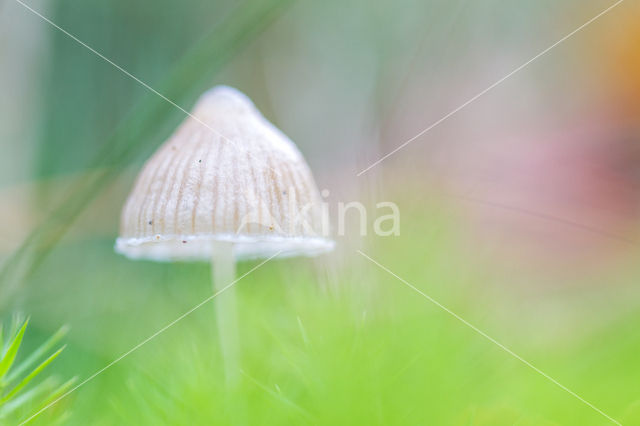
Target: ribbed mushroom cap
x=226, y=174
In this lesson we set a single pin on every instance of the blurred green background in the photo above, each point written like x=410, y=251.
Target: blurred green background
x=519, y=213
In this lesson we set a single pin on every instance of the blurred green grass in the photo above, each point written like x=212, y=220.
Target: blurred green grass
x=358, y=348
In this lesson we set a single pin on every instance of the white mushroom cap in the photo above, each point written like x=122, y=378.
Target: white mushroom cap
x=226, y=174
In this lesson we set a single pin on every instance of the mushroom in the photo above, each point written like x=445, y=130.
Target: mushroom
x=226, y=186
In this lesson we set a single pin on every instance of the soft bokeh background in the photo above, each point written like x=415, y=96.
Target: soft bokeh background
x=519, y=213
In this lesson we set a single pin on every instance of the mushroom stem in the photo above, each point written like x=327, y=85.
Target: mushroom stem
x=223, y=271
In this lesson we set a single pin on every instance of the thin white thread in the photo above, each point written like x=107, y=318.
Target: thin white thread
x=489, y=88
x=491, y=339
x=127, y=73
x=163, y=329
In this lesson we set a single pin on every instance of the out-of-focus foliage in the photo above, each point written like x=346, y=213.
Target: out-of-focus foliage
x=19, y=396
x=352, y=346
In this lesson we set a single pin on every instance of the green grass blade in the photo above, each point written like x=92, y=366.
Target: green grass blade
x=35, y=355
x=34, y=393
x=280, y=397
x=12, y=350
x=61, y=390
x=26, y=397
x=31, y=376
